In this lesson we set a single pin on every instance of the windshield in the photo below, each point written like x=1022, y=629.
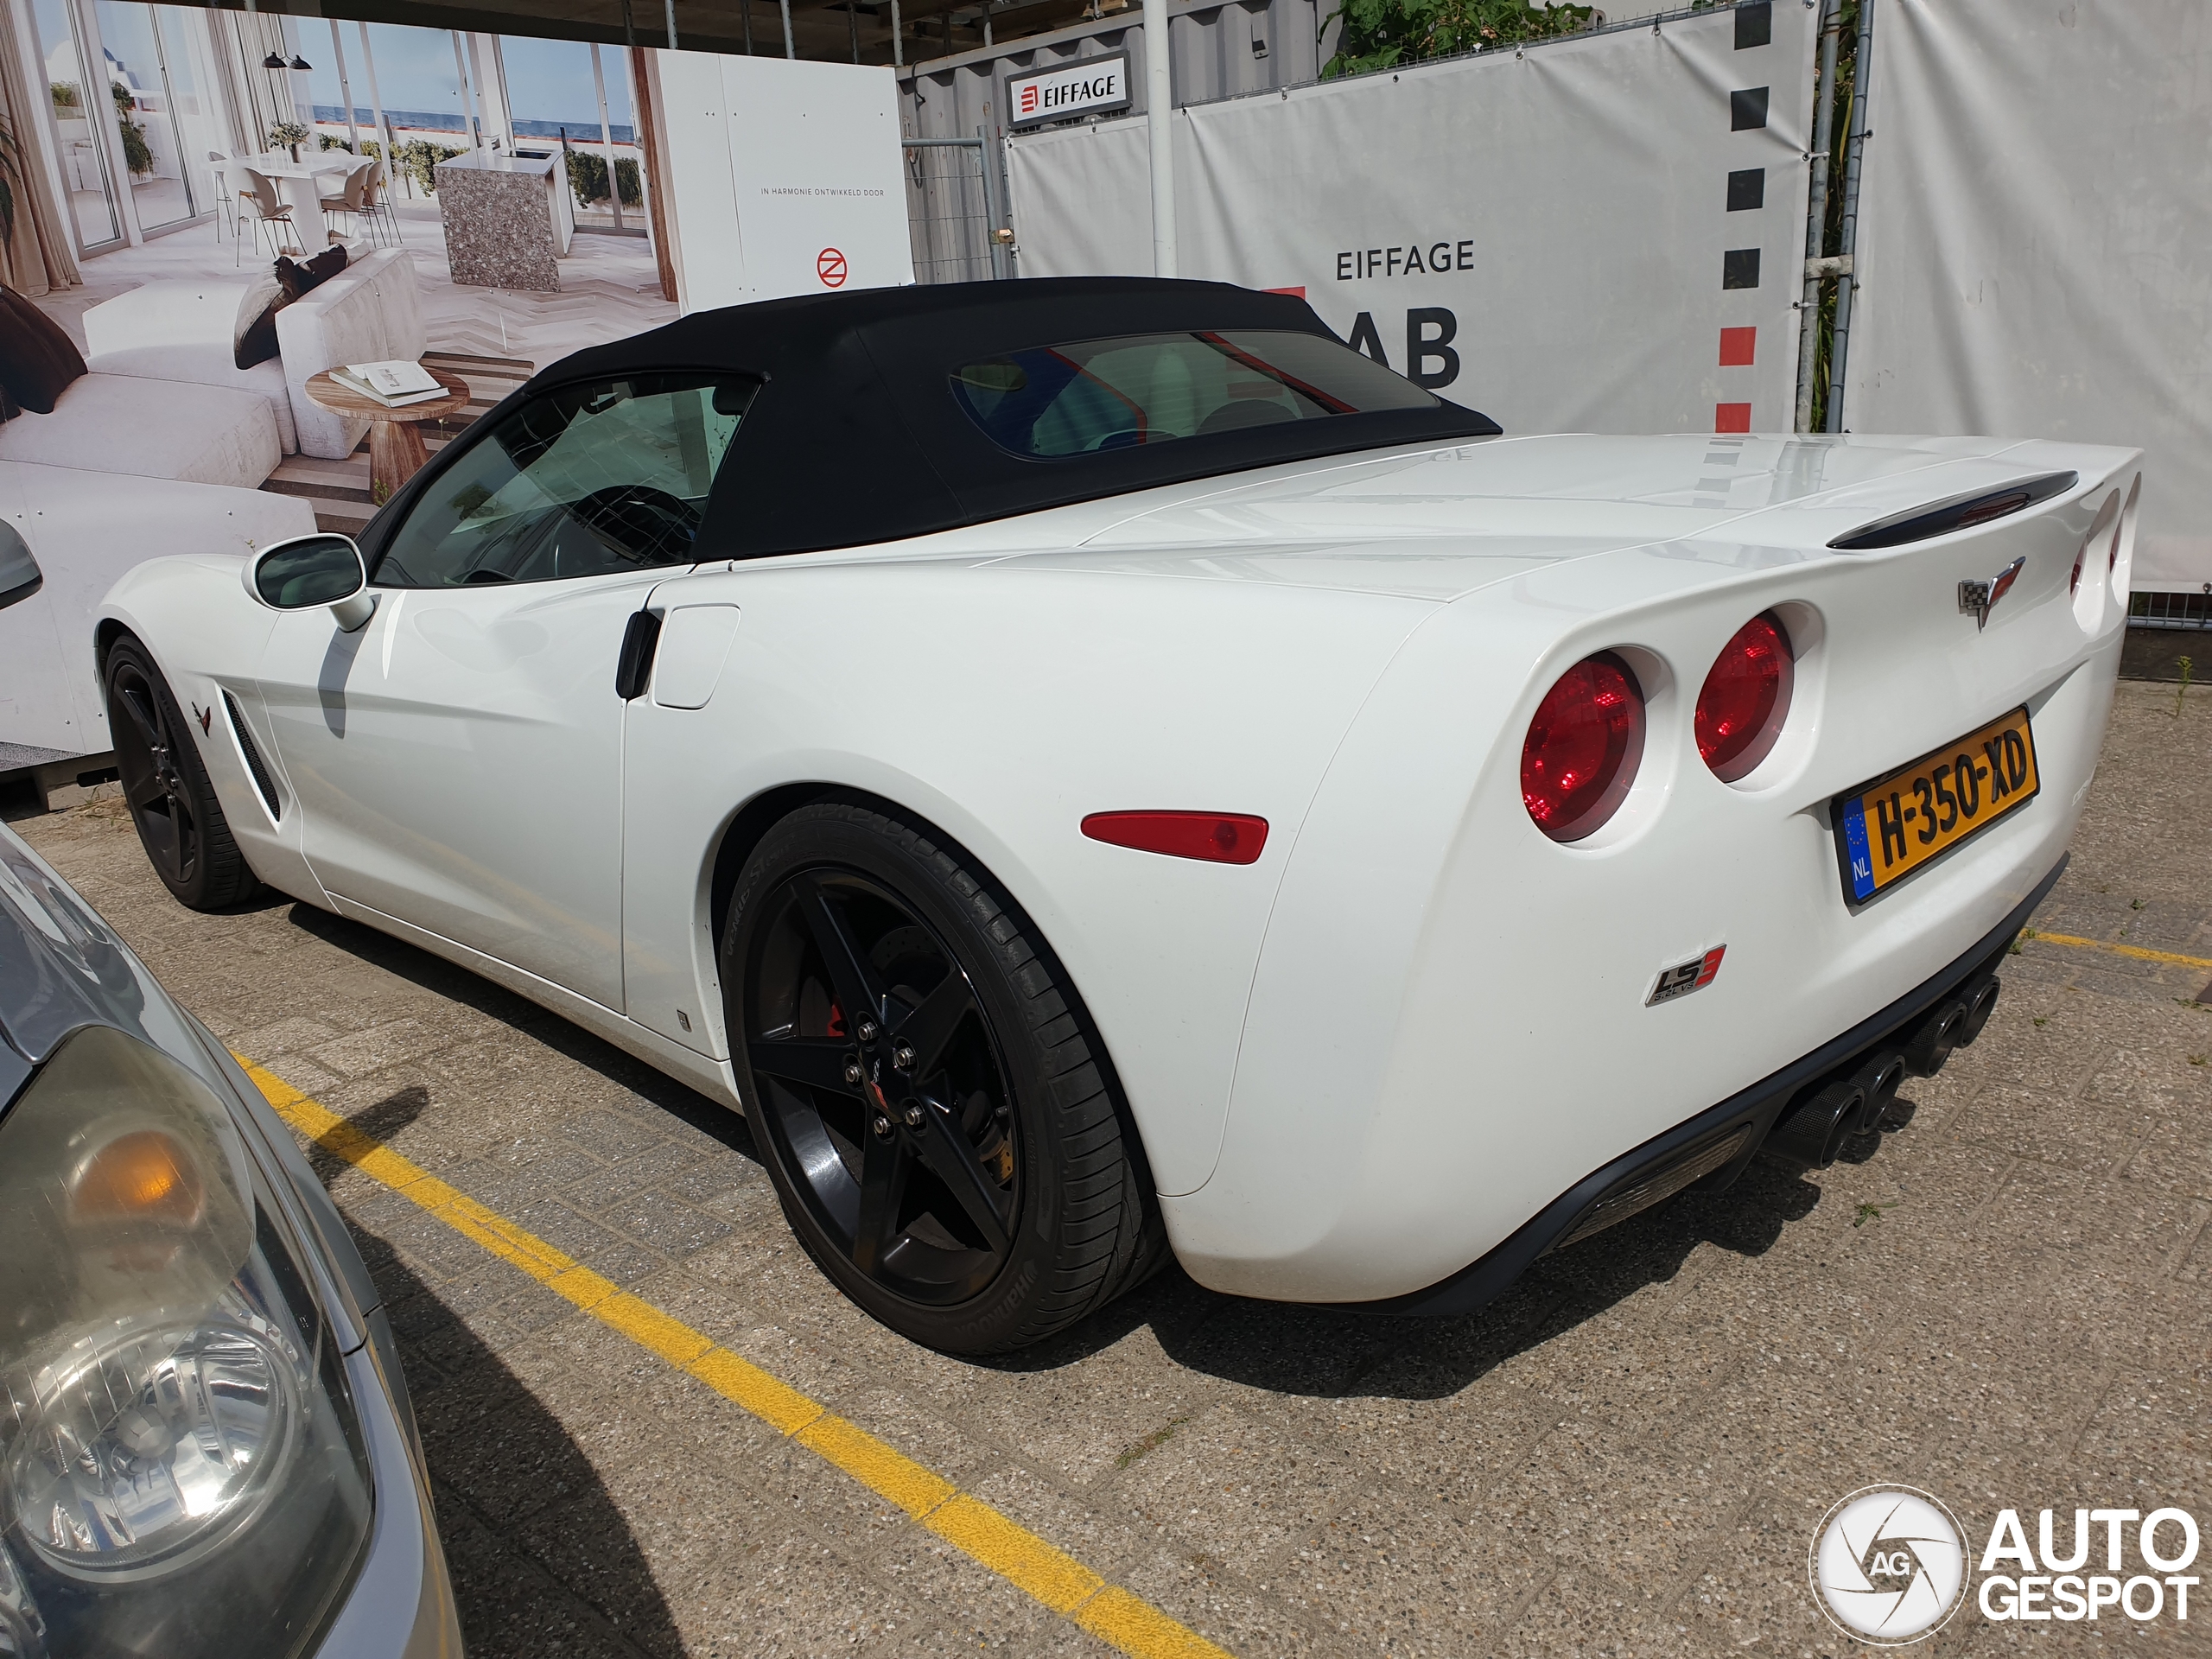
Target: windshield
x=1150, y=389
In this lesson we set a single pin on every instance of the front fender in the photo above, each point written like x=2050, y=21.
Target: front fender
x=206, y=636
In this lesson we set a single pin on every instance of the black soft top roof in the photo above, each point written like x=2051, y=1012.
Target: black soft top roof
x=855, y=436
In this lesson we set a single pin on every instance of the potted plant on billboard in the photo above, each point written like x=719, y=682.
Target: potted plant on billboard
x=289, y=135
x=137, y=153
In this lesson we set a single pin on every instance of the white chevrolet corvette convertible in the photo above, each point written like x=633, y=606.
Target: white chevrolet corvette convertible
x=1098, y=768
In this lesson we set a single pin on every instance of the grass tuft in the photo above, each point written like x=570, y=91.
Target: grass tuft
x=1152, y=1442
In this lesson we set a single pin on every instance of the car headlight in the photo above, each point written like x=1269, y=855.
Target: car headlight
x=182, y=1470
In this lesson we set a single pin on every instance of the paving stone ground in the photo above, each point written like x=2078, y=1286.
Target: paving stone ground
x=2004, y=1302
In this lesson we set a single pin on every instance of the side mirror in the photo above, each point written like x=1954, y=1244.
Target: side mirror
x=20, y=576
x=311, y=571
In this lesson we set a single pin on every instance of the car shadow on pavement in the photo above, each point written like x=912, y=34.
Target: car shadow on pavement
x=1280, y=1347
x=572, y=1042
x=498, y=1461
x=1332, y=1353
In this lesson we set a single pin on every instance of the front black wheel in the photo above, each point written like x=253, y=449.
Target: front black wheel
x=173, y=804
x=926, y=1089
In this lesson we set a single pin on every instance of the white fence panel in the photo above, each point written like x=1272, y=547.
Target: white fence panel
x=783, y=178
x=1602, y=233
x=2036, y=216
x=1082, y=199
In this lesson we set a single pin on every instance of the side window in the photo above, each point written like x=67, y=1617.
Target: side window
x=587, y=480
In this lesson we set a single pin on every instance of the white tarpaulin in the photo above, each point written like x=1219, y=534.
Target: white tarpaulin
x=2033, y=249
x=1603, y=234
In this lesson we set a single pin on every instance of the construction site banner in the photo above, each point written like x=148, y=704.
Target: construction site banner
x=1600, y=233
x=2036, y=185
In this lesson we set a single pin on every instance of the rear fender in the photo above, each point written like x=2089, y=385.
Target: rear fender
x=1448, y=1024
x=1001, y=706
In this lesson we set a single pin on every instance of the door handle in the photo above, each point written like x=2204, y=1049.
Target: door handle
x=633, y=666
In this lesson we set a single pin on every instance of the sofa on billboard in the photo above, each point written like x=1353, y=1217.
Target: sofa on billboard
x=154, y=442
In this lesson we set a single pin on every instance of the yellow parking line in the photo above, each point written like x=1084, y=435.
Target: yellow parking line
x=2135, y=950
x=1016, y=1555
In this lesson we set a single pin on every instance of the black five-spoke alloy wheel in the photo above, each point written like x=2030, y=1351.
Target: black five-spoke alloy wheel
x=179, y=821
x=925, y=1088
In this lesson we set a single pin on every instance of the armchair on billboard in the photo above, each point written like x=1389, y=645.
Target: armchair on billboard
x=784, y=178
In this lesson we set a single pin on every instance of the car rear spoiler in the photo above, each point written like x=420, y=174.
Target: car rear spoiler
x=1958, y=512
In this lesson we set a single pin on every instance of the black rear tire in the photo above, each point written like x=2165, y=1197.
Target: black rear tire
x=930, y=1098
x=165, y=784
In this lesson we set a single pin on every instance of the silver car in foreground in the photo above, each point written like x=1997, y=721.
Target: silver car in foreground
x=206, y=1445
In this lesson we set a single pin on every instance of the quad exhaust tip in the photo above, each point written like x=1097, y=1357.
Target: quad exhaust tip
x=1858, y=1099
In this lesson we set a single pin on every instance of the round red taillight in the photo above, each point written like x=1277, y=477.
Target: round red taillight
x=1745, y=698
x=1582, y=749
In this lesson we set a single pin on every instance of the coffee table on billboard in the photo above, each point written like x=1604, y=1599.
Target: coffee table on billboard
x=396, y=448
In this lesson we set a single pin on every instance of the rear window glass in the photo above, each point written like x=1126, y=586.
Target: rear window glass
x=1146, y=389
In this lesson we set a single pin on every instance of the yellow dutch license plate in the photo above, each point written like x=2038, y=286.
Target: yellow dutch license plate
x=1886, y=829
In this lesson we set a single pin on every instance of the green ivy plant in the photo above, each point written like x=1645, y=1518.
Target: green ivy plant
x=1383, y=33
x=418, y=158
x=370, y=149
x=1846, y=79
x=587, y=178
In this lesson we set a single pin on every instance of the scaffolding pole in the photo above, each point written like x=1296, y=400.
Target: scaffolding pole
x=1847, y=283
x=1816, y=213
x=1159, y=118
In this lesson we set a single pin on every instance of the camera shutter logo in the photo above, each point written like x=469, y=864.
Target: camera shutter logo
x=1889, y=1565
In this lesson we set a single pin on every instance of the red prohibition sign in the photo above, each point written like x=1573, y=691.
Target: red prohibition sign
x=829, y=266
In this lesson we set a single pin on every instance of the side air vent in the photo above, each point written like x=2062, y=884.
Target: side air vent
x=1960, y=512
x=262, y=780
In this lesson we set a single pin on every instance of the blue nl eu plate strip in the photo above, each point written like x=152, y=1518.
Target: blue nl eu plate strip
x=1855, y=841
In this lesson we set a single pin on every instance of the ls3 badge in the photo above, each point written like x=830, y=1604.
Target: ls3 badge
x=1684, y=978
